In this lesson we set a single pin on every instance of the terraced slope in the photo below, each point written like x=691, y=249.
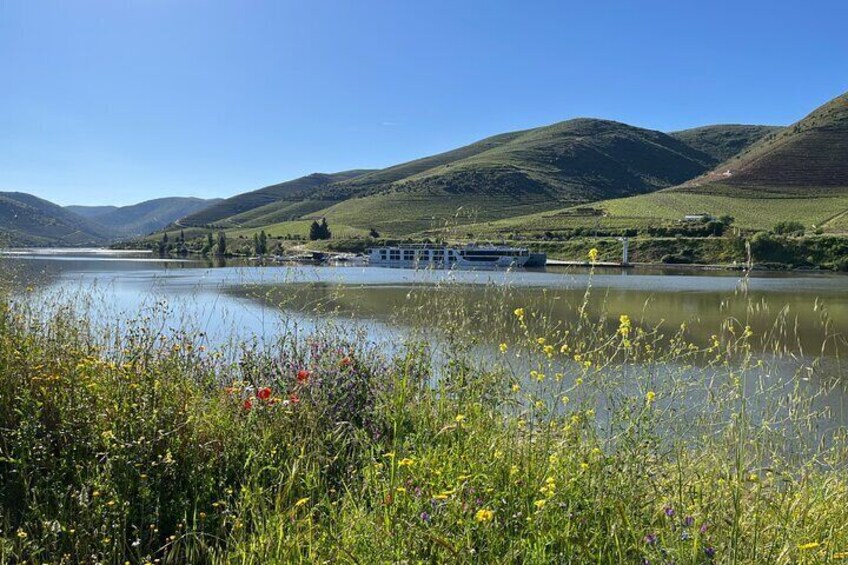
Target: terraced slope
x=28, y=220
x=810, y=156
x=563, y=164
x=224, y=212
x=723, y=142
x=798, y=173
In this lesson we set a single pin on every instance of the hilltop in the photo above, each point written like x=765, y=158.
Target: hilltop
x=798, y=173
x=506, y=175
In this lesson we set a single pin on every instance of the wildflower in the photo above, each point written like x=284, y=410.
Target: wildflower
x=584, y=466
x=650, y=397
x=624, y=325
x=651, y=539
x=401, y=490
x=389, y=455
x=502, y=347
x=809, y=545
x=301, y=501
x=669, y=511
x=425, y=517
x=498, y=454
x=302, y=376
x=484, y=515
x=540, y=340
x=294, y=399
x=248, y=404
x=519, y=312
x=346, y=362
x=459, y=418
x=516, y=387
x=593, y=255
x=539, y=504
x=688, y=521
x=710, y=552
x=22, y=534
x=406, y=462
x=264, y=393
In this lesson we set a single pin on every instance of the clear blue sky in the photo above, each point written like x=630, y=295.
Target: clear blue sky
x=117, y=101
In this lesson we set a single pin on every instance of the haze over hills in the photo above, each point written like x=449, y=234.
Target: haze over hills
x=144, y=217
x=514, y=173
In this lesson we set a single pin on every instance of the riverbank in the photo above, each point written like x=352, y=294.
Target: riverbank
x=578, y=442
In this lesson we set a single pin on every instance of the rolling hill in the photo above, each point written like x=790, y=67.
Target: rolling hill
x=796, y=173
x=27, y=220
x=144, y=217
x=722, y=142
x=510, y=174
x=226, y=212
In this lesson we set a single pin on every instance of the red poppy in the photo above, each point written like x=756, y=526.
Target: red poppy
x=294, y=399
x=346, y=362
x=302, y=376
x=264, y=393
x=248, y=404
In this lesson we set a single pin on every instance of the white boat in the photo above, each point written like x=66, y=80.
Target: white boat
x=449, y=257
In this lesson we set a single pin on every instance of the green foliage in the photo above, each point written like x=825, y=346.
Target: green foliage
x=789, y=227
x=324, y=449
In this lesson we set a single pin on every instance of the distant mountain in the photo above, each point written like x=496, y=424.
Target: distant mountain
x=505, y=175
x=28, y=220
x=144, y=217
x=292, y=191
x=721, y=142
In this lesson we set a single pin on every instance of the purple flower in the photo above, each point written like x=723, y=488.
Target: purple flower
x=710, y=551
x=669, y=511
x=651, y=539
x=425, y=517
x=688, y=521
x=704, y=527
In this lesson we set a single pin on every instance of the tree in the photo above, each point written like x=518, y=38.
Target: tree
x=222, y=243
x=325, y=229
x=314, y=231
x=260, y=243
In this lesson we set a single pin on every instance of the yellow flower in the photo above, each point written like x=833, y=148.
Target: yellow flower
x=389, y=455
x=22, y=534
x=549, y=350
x=519, y=312
x=593, y=255
x=459, y=418
x=539, y=504
x=809, y=545
x=516, y=387
x=406, y=462
x=503, y=347
x=401, y=490
x=301, y=502
x=484, y=515
x=650, y=396
x=584, y=466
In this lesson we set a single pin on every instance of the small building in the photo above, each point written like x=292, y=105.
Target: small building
x=701, y=217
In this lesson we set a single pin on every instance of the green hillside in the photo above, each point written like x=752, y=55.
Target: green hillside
x=798, y=173
x=144, y=217
x=506, y=175
x=225, y=212
x=722, y=142
x=28, y=220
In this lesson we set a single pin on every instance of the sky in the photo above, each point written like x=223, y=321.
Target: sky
x=119, y=101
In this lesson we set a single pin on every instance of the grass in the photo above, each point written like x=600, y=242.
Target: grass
x=572, y=440
x=750, y=211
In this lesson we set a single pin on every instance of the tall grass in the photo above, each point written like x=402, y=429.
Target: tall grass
x=565, y=439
